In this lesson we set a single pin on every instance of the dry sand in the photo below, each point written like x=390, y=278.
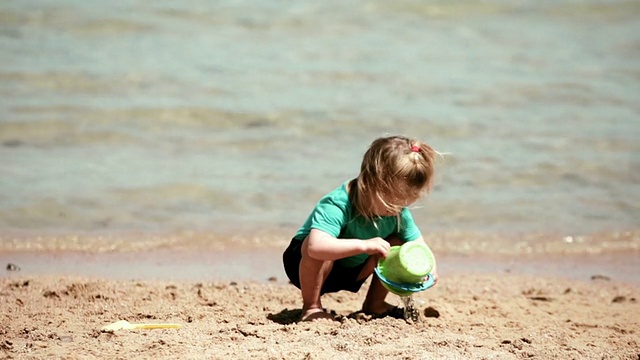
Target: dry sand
x=466, y=316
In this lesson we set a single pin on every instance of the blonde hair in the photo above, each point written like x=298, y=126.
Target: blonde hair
x=392, y=166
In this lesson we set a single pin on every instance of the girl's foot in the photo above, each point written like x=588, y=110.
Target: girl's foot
x=378, y=309
x=315, y=314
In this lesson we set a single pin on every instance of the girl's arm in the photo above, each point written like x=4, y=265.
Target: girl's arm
x=322, y=246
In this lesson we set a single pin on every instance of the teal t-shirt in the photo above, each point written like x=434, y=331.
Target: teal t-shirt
x=334, y=215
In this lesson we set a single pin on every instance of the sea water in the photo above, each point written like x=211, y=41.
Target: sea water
x=239, y=115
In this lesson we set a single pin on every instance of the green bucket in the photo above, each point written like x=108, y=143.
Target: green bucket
x=407, y=264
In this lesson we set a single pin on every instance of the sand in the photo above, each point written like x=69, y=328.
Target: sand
x=466, y=316
x=539, y=297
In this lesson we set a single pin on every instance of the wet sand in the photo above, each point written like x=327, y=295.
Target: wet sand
x=191, y=256
x=238, y=304
x=264, y=265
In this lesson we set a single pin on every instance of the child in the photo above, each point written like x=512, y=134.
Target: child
x=352, y=227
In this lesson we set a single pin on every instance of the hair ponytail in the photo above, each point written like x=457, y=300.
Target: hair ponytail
x=392, y=166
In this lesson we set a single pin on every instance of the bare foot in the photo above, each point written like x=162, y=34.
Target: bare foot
x=377, y=309
x=315, y=314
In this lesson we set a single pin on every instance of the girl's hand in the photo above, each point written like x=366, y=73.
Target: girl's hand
x=377, y=246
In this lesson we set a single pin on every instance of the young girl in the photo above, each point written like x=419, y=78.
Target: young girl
x=352, y=227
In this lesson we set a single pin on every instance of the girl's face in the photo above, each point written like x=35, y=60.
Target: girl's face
x=396, y=201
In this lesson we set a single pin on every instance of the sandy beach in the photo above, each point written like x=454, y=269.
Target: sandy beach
x=508, y=310
x=157, y=157
x=465, y=317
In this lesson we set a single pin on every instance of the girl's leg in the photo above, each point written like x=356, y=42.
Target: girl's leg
x=375, y=302
x=313, y=274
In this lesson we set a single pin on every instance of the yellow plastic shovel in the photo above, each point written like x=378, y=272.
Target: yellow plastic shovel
x=125, y=325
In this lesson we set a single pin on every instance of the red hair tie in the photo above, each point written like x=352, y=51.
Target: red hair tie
x=415, y=148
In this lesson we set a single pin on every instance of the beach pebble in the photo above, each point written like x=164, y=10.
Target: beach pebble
x=66, y=339
x=431, y=313
x=12, y=267
x=619, y=299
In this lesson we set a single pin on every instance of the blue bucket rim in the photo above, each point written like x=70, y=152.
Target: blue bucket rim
x=408, y=287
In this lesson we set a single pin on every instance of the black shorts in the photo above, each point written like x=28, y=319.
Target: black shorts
x=340, y=278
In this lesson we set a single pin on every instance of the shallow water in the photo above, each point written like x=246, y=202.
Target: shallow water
x=238, y=115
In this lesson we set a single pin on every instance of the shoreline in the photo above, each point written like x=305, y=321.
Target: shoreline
x=443, y=242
